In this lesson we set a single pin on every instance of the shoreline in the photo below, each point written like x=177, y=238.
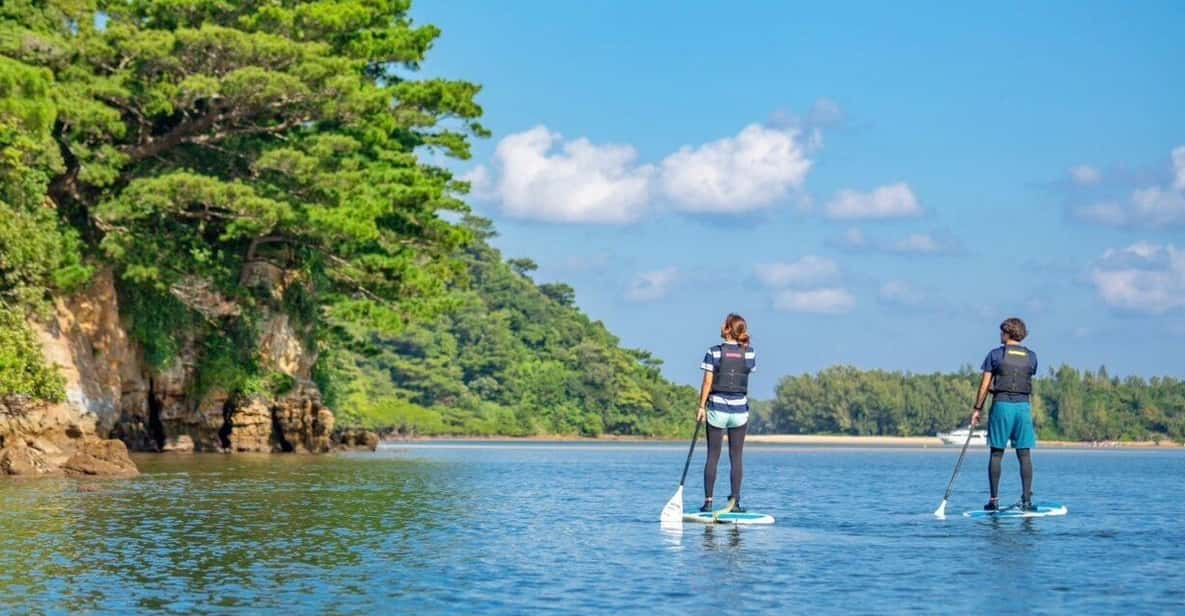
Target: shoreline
x=824, y=440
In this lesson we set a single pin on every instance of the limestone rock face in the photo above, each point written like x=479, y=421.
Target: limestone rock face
x=23, y=460
x=39, y=439
x=303, y=424
x=251, y=427
x=102, y=457
x=180, y=444
x=112, y=391
x=297, y=422
x=87, y=341
x=282, y=349
x=355, y=439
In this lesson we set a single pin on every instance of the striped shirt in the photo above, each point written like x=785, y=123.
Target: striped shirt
x=721, y=402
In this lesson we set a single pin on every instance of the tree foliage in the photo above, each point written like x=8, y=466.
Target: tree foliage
x=22, y=368
x=184, y=142
x=511, y=358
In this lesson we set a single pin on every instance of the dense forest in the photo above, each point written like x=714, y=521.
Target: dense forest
x=511, y=357
x=1067, y=404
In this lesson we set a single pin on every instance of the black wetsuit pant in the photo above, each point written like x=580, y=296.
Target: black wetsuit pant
x=736, y=446
x=1026, y=472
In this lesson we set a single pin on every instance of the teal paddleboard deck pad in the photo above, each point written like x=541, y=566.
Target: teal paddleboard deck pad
x=1043, y=510
x=704, y=517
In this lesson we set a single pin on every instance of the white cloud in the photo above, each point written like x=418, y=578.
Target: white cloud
x=1155, y=207
x=890, y=201
x=480, y=182
x=830, y=300
x=579, y=263
x=1144, y=277
x=1179, y=167
x=1107, y=213
x=653, y=285
x=902, y=293
x=1151, y=206
x=540, y=176
x=1085, y=175
x=918, y=243
x=932, y=243
x=825, y=113
x=754, y=169
x=798, y=285
x=854, y=239
x=808, y=270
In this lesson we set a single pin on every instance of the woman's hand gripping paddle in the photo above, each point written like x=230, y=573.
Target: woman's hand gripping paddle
x=672, y=513
x=941, y=510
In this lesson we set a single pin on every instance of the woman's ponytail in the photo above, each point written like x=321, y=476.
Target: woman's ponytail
x=736, y=328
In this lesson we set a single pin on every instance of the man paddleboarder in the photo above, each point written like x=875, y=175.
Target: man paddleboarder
x=1008, y=373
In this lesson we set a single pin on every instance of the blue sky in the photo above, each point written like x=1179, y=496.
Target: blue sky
x=874, y=184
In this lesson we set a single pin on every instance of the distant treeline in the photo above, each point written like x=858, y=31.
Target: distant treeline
x=1068, y=404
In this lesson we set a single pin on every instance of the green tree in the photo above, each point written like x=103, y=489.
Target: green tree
x=187, y=143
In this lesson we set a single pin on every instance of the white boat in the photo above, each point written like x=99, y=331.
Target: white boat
x=958, y=437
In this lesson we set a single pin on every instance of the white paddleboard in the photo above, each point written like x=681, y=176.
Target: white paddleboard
x=749, y=517
x=1043, y=510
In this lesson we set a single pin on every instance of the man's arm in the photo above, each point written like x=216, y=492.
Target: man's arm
x=984, y=384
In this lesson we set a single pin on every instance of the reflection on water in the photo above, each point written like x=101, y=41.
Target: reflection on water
x=718, y=538
x=516, y=528
x=216, y=532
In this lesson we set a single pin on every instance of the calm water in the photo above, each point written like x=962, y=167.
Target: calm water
x=508, y=528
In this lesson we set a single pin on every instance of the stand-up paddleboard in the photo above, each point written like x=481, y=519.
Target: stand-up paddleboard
x=1043, y=510
x=705, y=517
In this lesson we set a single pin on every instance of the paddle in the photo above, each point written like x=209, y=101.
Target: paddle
x=941, y=510
x=672, y=513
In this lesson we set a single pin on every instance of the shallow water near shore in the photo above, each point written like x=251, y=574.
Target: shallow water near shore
x=510, y=527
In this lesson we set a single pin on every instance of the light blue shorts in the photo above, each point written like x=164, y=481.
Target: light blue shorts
x=720, y=419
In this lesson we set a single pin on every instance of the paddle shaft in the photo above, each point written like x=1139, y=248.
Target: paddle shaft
x=687, y=464
x=951, y=484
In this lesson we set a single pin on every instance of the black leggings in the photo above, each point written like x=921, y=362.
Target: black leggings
x=736, y=445
x=1026, y=472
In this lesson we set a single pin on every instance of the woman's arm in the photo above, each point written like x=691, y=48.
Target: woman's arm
x=704, y=391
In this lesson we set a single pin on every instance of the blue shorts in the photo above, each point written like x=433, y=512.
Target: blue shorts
x=1011, y=421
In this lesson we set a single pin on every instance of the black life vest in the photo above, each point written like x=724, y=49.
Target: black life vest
x=732, y=377
x=1013, y=374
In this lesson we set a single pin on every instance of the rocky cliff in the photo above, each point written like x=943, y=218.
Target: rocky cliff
x=112, y=393
x=38, y=439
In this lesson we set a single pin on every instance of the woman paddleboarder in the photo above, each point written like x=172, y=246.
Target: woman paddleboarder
x=724, y=403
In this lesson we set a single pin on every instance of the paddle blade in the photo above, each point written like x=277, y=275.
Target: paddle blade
x=940, y=512
x=672, y=513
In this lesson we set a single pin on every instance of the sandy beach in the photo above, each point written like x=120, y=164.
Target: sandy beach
x=825, y=440
x=933, y=441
